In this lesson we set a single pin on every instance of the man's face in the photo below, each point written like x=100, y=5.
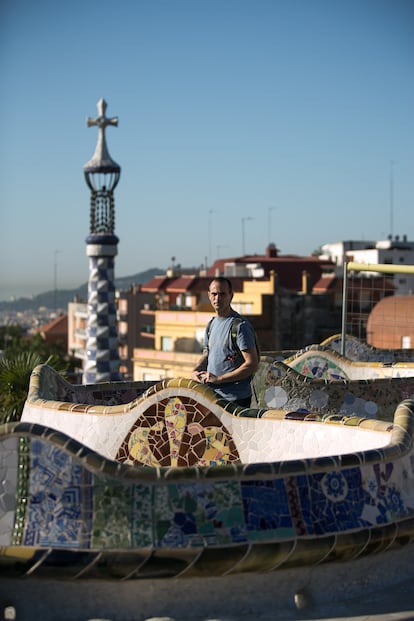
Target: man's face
x=220, y=297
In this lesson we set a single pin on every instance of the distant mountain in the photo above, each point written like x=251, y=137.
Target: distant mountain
x=61, y=297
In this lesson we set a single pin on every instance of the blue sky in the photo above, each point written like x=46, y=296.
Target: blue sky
x=288, y=112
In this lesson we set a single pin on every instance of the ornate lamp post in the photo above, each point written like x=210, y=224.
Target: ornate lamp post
x=102, y=176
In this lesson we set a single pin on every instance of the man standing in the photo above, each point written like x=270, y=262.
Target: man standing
x=230, y=356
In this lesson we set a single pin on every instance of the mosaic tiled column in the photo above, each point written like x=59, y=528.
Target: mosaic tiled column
x=101, y=175
x=102, y=357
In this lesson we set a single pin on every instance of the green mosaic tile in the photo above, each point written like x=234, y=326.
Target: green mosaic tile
x=112, y=509
x=22, y=491
x=141, y=516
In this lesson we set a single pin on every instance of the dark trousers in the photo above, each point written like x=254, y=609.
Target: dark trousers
x=244, y=403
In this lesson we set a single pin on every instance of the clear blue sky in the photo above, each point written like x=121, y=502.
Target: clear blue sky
x=286, y=111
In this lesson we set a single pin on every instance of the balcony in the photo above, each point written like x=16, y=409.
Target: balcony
x=153, y=355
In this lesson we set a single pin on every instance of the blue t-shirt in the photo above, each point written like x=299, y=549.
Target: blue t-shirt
x=222, y=357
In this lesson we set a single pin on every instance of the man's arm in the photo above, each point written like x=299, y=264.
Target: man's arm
x=199, y=370
x=247, y=368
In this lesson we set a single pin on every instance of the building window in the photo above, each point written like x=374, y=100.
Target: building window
x=406, y=342
x=166, y=343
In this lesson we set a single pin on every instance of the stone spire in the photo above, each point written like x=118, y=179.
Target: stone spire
x=102, y=175
x=101, y=160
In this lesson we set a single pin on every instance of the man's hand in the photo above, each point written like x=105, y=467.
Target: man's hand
x=198, y=376
x=204, y=377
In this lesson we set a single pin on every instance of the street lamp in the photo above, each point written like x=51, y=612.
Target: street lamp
x=243, y=220
x=210, y=215
x=392, y=162
x=55, y=265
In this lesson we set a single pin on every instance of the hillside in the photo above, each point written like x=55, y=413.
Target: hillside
x=61, y=297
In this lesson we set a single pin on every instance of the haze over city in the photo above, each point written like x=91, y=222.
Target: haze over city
x=293, y=116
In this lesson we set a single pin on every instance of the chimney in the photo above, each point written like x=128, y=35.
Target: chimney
x=305, y=283
x=271, y=251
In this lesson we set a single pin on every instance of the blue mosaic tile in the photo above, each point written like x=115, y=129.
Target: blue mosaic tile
x=337, y=500
x=56, y=504
x=266, y=509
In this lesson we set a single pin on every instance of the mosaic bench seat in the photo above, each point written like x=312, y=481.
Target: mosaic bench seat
x=178, y=483
x=179, y=422
x=331, y=365
x=54, y=387
x=359, y=350
x=280, y=386
x=355, y=349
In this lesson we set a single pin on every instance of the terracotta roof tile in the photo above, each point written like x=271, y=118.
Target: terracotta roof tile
x=58, y=326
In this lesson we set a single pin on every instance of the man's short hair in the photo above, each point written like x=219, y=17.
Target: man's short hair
x=223, y=280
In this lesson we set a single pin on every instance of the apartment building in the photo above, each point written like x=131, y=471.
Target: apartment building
x=131, y=333
x=274, y=292
x=398, y=251
x=77, y=328
x=292, y=301
x=180, y=316
x=161, y=323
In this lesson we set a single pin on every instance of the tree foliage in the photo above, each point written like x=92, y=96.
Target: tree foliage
x=21, y=354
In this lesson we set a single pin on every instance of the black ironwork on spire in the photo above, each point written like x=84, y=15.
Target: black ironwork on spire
x=102, y=174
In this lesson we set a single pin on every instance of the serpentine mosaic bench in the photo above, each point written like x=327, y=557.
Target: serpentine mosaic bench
x=329, y=365
x=280, y=386
x=359, y=350
x=355, y=349
x=178, y=483
x=361, y=361
x=179, y=422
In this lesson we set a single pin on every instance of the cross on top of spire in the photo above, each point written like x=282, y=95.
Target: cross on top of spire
x=101, y=160
x=102, y=120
